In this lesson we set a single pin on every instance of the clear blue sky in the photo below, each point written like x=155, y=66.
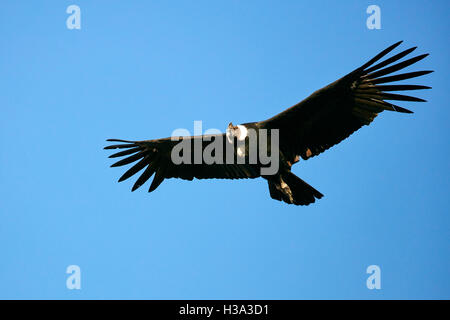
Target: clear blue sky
x=139, y=70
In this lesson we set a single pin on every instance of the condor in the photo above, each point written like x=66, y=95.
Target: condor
x=304, y=130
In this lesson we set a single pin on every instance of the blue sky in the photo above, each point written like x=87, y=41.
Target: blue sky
x=139, y=70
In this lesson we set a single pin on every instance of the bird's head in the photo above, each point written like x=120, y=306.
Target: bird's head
x=239, y=131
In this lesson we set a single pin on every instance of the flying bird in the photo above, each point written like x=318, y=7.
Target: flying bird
x=304, y=130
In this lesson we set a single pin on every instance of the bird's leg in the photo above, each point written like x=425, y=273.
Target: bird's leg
x=284, y=190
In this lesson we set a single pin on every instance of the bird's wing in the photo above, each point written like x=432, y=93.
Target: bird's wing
x=334, y=112
x=156, y=157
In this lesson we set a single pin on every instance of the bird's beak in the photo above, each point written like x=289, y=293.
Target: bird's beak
x=230, y=133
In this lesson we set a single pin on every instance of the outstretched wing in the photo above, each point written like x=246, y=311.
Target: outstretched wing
x=334, y=112
x=156, y=157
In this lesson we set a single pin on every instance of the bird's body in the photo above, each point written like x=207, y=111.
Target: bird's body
x=304, y=130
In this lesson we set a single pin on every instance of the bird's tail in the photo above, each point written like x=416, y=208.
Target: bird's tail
x=291, y=189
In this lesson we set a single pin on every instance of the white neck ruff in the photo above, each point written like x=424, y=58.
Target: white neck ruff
x=242, y=132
